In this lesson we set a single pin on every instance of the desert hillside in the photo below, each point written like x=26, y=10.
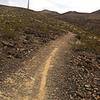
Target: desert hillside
x=22, y=32
x=87, y=21
x=45, y=55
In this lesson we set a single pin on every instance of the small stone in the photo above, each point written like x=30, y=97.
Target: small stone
x=87, y=86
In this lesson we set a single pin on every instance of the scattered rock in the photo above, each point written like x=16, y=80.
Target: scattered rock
x=8, y=44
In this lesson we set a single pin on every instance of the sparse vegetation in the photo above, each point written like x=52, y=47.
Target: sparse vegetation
x=87, y=21
x=23, y=32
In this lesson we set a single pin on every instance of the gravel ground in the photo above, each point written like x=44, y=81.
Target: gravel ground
x=56, y=73
x=75, y=77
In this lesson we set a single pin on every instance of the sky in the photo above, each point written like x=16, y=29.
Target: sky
x=60, y=6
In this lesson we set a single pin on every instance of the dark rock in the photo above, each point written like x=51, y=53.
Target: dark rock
x=8, y=44
x=98, y=57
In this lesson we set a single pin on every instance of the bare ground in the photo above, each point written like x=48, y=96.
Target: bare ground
x=29, y=82
x=50, y=75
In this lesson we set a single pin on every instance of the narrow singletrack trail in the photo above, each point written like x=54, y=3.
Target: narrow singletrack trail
x=31, y=81
x=49, y=63
x=44, y=75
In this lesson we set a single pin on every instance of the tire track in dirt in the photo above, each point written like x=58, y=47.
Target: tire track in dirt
x=31, y=81
x=44, y=75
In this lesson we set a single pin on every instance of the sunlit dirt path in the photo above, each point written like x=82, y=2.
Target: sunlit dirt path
x=44, y=75
x=29, y=83
x=49, y=63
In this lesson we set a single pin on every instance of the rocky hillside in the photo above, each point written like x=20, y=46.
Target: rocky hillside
x=23, y=32
x=89, y=21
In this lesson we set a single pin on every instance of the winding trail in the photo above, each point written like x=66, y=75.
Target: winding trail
x=31, y=81
x=58, y=46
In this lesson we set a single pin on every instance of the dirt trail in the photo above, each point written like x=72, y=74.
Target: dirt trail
x=44, y=75
x=31, y=85
x=62, y=43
